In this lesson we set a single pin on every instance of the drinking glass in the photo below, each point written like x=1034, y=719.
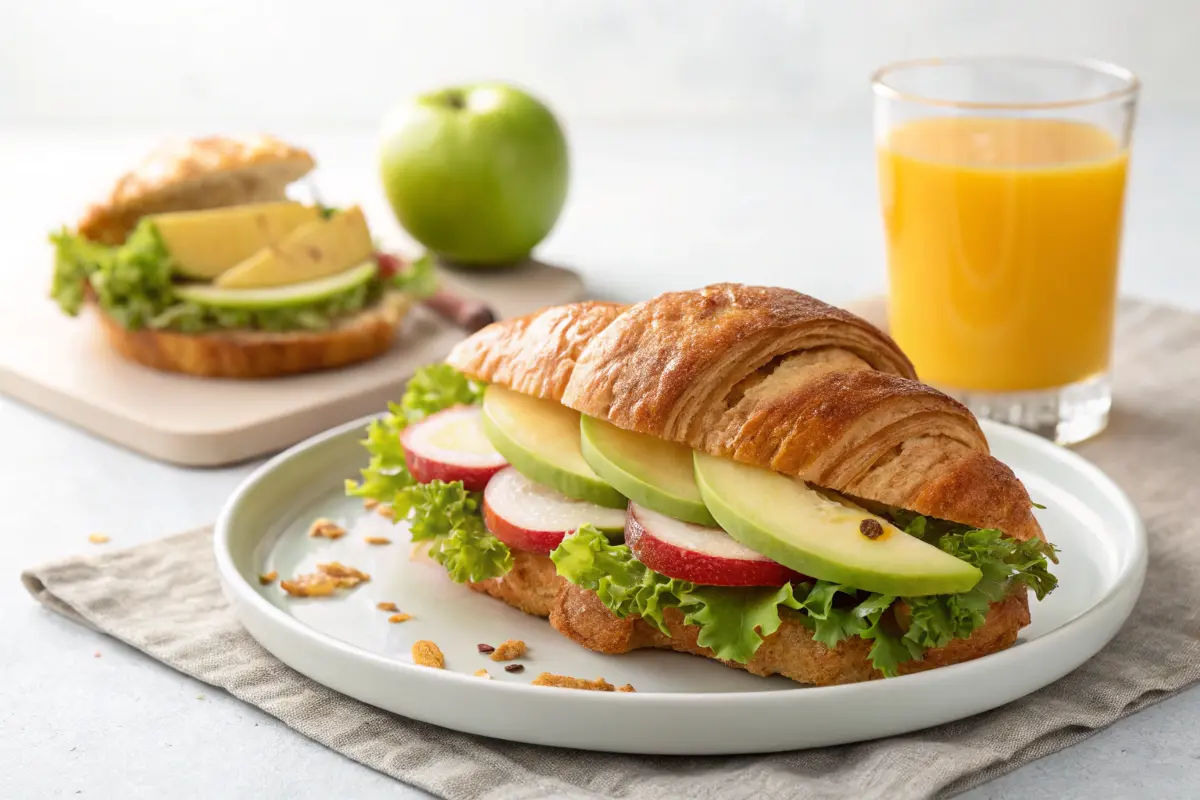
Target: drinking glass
x=1002, y=181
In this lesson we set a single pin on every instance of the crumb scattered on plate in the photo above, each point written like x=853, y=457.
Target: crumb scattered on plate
x=567, y=682
x=96, y=654
x=377, y=540
x=387, y=606
x=98, y=538
x=395, y=618
x=507, y=651
x=384, y=511
x=326, y=528
x=514, y=668
x=268, y=577
x=325, y=581
x=482, y=673
x=370, y=503
x=427, y=654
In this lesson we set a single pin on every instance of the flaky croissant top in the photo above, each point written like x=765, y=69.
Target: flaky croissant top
x=768, y=377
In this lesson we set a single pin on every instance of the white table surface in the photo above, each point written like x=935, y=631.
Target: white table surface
x=651, y=208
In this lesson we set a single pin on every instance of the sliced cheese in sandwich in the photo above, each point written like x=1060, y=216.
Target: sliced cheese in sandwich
x=315, y=250
x=205, y=244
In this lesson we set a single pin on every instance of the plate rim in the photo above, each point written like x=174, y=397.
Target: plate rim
x=1131, y=574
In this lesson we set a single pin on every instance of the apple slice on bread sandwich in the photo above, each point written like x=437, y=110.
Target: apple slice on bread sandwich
x=197, y=262
x=793, y=500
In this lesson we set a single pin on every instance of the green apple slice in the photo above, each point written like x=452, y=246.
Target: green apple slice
x=206, y=243
x=787, y=521
x=298, y=294
x=651, y=472
x=540, y=438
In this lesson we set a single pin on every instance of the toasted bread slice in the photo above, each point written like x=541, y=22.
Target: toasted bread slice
x=261, y=354
x=196, y=174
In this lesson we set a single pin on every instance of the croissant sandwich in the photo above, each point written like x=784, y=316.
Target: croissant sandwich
x=738, y=472
x=197, y=262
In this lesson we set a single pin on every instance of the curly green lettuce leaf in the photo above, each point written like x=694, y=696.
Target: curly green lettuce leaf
x=831, y=623
x=471, y=553
x=432, y=388
x=419, y=279
x=75, y=259
x=436, y=387
x=386, y=474
x=868, y=616
x=131, y=283
x=889, y=646
x=449, y=515
x=1000, y=557
x=734, y=621
x=437, y=508
x=625, y=585
x=939, y=619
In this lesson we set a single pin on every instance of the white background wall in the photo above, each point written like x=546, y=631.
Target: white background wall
x=338, y=63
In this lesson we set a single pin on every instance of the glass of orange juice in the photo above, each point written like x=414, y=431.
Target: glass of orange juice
x=1003, y=183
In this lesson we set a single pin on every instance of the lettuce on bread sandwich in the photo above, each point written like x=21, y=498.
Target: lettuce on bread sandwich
x=197, y=262
x=795, y=501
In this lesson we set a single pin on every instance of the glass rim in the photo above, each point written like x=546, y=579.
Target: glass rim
x=1131, y=83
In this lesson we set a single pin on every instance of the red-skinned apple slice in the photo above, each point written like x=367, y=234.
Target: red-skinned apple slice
x=450, y=446
x=529, y=516
x=699, y=554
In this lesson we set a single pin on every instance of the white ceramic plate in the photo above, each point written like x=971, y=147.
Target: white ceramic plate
x=683, y=704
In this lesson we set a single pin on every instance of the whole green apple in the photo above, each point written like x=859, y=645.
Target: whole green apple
x=478, y=174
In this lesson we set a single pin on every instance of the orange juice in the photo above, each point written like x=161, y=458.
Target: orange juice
x=1003, y=236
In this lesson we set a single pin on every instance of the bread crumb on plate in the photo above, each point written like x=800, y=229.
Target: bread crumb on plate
x=427, y=654
x=267, y=578
x=98, y=538
x=508, y=650
x=396, y=618
x=377, y=540
x=387, y=605
x=325, y=581
x=326, y=528
x=482, y=673
x=567, y=682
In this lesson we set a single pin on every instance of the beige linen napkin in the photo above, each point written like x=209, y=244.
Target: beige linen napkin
x=163, y=598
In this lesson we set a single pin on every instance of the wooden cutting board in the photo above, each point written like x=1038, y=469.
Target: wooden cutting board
x=63, y=367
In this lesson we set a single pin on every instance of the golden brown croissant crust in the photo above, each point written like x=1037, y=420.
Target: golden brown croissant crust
x=195, y=174
x=248, y=354
x=765, y=376
x=531, y=585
